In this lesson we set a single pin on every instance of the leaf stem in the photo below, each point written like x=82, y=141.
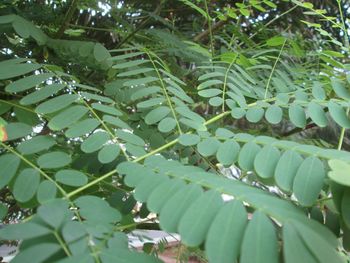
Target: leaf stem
x=342, y=133
x=18, y=106
x=210, y=28
x=63, y=245
x=165, y=92
x=105, y=127
x=225, y=83
x=273, y=69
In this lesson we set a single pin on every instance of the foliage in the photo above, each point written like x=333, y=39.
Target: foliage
x=160, y=119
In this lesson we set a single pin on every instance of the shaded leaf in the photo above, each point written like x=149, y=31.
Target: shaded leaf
x=54, y=160
x=309, y=181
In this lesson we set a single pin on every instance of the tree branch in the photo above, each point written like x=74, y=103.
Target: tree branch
x=205, y=33
x=67, y=18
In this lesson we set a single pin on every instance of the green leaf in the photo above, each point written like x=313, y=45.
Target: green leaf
x=193, y=124
x=254, y=114
x=156, y=115
x=21, y=26
x=9, y=164
x=47, y=191
x=135, y=150
x=23, y=231
x=338, y=114
x=71, y=178
x=189, y=139
x=318, y=246
x=238, y=113
x=274, y=114
x=317, y=114
x=339, y=89
x=162, y=193
x=340, y=172
x=195, y=222
x=96, y=210
x=130, y=64
x=67, y=117
x=286, y=169
x=74, y=233
x=208, y=93
x=10, y=69
x=140, y=81
x=54, y=160
x=127, y=55
x=308, y=181
x=275, y=41
x=56, y=104
x=36, y=144
x=345, y=208
x=318, y=91
x=228, y=152
x=150, y=103
x=78, y=258
x=225, y=234
x=108, y=153
x=175, y=207
x=42, y=94
x=187, y=113
x=224, y=133
x=260, y=241
x=93, y=96
x=145, y=187
x=133, y=171
x=106, y=109
x=244, y=12
x=27, y=83
x=247, y=155
x=137, y=72
x=178, y=92
x=116, y=122
x=197, y=8
x=100, y=52
x=294, y=249
x=145, y=92
x=95, y=142
x=215, y=101
x=26, y=185
x=130, y=137
x=27, y=117
x=54, y=212
x=167, y=124
x=81, y=128
x=266, y=161
x=5, y=19
x=37, y=253
x=211, y=82
x=208, y=146
x=16, y=130
x=122, y=255
x=297, y=115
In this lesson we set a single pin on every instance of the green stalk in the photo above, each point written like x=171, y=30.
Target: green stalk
x=210, y=29
x=225, y=83
x=346, y=36
x=165, y=92
x=273, y=69
x=63, y=245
